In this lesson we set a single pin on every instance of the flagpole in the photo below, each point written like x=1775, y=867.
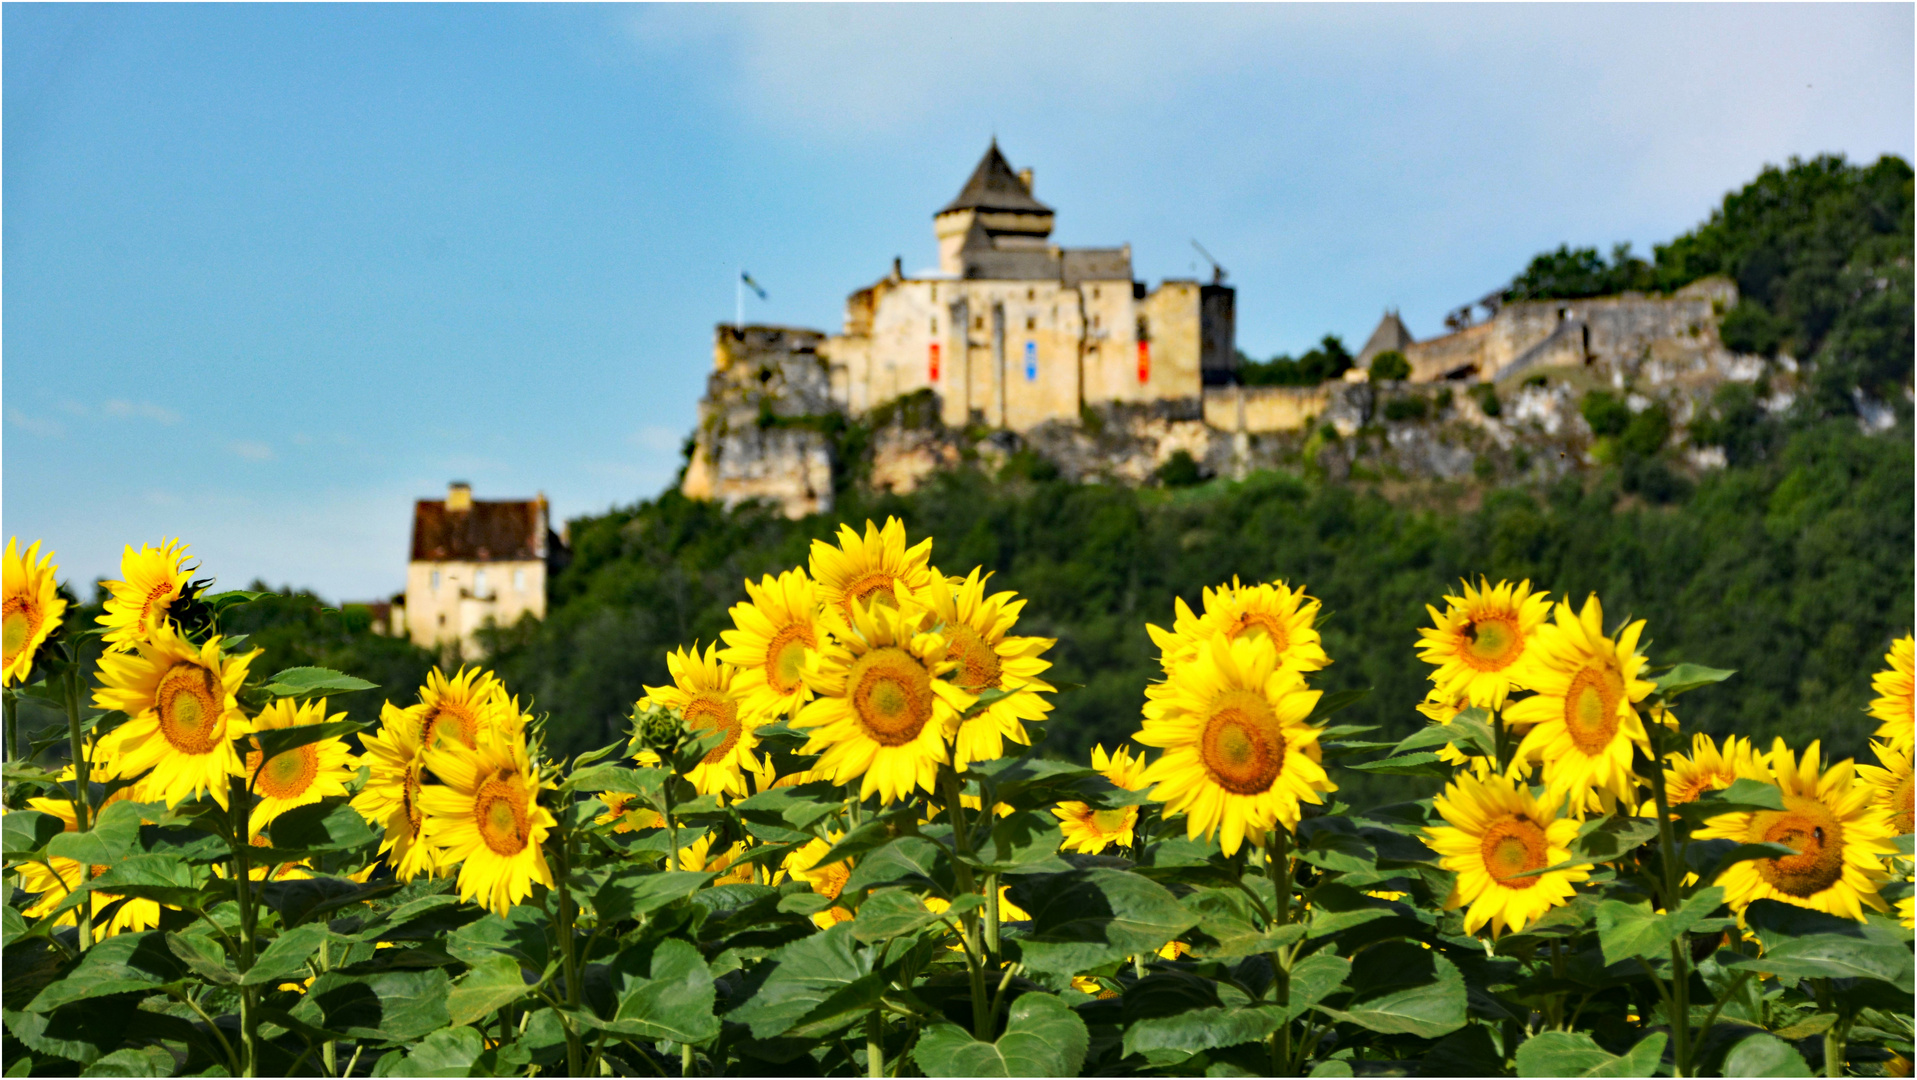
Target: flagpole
x=738, y=301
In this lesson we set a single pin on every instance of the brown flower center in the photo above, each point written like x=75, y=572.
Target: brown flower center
x=501, y=813
x=288, y=775
x=1241, y=744
x=1259, y=622
x=873, y=588
x=409, y=797
x=710, y=710
x=1492, y=643
x=1808, y=827
x=449, y=717
x=785, y=658
x=1591, y=707
x=1511, y=846
x=978, y=663
x=19, y=622
x=154, y=606
x=191, y=702
x=891, y=695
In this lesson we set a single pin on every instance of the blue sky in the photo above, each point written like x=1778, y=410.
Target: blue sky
x=271, y=273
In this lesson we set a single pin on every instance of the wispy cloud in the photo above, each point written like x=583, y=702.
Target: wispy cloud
x=44, y=427
x=145, y=410
x=251, y=450
x=657, y=438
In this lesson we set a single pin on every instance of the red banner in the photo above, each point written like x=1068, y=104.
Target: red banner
x=1144, y=361
x=934, y=365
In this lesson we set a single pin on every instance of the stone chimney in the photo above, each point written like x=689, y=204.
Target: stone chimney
x=1025, y=177
x=459, y=495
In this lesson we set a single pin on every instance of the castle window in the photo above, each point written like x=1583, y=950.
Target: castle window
x=519, y=581
x=935, y=324
x=1031, y=294
x=1094, y=322
x=1094, y=292
x=442, y=620
x=479, y=583
x=978, y=322
x=1031, y=322
x=435, y=581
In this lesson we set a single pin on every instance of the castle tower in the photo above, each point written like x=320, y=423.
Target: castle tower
x=997, y=204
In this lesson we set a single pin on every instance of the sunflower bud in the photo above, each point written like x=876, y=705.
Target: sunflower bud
x=657, y=728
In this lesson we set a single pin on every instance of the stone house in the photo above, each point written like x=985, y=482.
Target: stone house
x=473, y=563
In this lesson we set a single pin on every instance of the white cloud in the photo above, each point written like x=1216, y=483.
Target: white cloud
x=251, y=450
x=145, y=410
x=45, y=427
x=657, y=438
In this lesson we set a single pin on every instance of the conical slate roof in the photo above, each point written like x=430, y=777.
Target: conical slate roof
x=994, y=186
x=1389, y=336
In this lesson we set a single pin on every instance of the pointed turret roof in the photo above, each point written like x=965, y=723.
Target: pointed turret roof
x=1390, y=335
x=994, y=186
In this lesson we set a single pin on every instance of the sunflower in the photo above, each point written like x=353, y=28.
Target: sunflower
x=1495, y=830
x=702, y=690
x=57, y=876
x=1092, y=831
x=1841, y=840
x=870, y=569
x=1007, y=911
x=1585, y=708
x=303, y=775
x=1894, y=694
x=775, y=634
x=390, y=798
x=1705, y=769
x=1890, y=785
x=883, y=709
x=828, y=881
x=137, y=606
x=698, y=856
x=1239, y=756
x=625, y=813
x=487, y=815
x=975, y=628
x=1442, y=710
x=1282, y=615
x=31, y=608
x=1479, y=640
x=457, y=710
x=184, y=715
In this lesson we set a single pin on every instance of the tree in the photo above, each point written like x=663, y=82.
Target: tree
x=1390, y=366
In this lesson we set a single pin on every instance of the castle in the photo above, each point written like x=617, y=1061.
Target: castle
x=1016, y=334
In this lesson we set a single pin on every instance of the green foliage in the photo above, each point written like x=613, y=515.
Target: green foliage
x=1486, y=395
x=1570, y=274
x=1180, y=470
x=1330, y=360
x=1606, y=413
x=1404, y=407
x=1390, y=366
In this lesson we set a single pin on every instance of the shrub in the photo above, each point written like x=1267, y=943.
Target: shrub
x=1390, y=366
x=1607, y=414
x=1486, y=395
x=1180, y=470
x=1407, y=407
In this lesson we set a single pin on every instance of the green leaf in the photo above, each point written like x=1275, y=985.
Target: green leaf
x=168, y=879
x=909, y=860
x=1400, y=988
x=1313, y=979
x=301, y=899
x=798, y=807
x=1764, y=1055
x=273, y=742
x=1226, y=917
x=1469, y=731
x=816, y=985
x=1744, y=794
x=82, y=1035
x=1712, y=857
x=1202, y=1029
x=449, y=1051
x=1019, y=839
x=27, y=831
x=890, y=913
x=313, y=682
x=874, y=834
x=616, y=778
x=204, y=956
x=1874, y=954
x=492, y=984
x=117, y=965
x=1406, y=765
x=1632, y=930
x=520, y=933
x=143, y=1061
x=390, y=1006
x=1043, y=1037
x=287, y=955
x=1086, y=918
x=1573, y=1053
x=643, y=892
x=114, y=837
x=674, y=1002
x=323, y=826
x=1689, y=677
x=1609, y=838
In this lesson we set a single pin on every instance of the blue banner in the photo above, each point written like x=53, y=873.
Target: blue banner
x=1031, y=361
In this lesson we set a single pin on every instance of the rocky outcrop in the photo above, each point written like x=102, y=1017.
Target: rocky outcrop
x=765, y=422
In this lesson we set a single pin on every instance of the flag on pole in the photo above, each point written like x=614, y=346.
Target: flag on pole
x=751, y=284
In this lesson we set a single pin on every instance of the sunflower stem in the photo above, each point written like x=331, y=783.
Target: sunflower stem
x=243, y=894
x=874, y=1047
x=982, y=1019
x=12, y=704
x=1278, y=866
x=569, y=955
x=1680, y=951
x=82, y=780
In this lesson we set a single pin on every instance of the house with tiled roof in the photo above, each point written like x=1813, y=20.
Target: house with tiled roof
x=474, y=563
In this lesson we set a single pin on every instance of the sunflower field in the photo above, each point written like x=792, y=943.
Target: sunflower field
x=828, y=847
